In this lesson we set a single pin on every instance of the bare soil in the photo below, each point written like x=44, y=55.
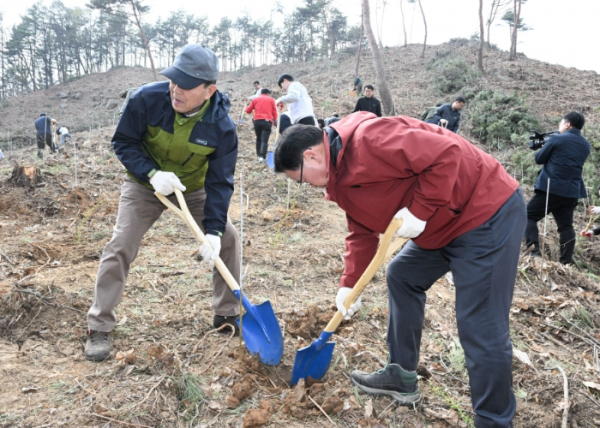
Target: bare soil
x=170, y=369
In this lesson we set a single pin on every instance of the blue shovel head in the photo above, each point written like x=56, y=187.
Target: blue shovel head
x=313, y=360
x=270, y=160
x=262, y=334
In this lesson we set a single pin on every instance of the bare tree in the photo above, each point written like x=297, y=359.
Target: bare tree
x=517, y=18
x=497, y=6
x=424, y=23
x=137, y=9
x=403, y=24
x=481, y=38
x=360, y=41
x=386, y=98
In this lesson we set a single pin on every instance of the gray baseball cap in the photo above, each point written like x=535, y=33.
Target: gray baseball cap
x=193, y=66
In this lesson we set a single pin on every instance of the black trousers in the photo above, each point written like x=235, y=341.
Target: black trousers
x=308, y=120
x=483, y=263
x=262, y=128
x=45, y=139
x=562, y=210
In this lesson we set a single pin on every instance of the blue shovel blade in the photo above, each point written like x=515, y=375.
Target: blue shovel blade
x=270, y=160
x=262, y=334
x=313, y=360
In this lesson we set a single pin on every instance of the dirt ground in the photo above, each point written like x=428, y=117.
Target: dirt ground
x=169, y=368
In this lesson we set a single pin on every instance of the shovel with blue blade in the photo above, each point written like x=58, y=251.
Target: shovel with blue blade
x=314, y=360
x=260, y=331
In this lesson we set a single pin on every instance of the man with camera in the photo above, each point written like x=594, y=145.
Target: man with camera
x=559, y=184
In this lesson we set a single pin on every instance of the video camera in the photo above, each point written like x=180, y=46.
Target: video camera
x=538, y=139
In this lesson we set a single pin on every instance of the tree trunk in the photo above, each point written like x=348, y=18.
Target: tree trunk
x=362, y=27
x=386, y=98
x=425, y=24
x=513, y=39
x=481, y=37
x=403, y=24
x=25, y=176
x=145, y=39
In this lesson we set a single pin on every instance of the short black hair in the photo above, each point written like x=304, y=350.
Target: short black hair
x=335, y=115
x=42, y=114
x=575, y=118
x=256, y=82
x=460, y=100
x=321, y=123
x=369, y=87
x=207, y=83
x=293, y=143
x=283, y=77
x=265, y=91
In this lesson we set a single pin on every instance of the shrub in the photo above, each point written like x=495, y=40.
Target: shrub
x=451, y=73
x=499, y=116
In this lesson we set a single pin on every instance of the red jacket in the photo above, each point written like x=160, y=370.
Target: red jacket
x=264, y=108
x=389, y=163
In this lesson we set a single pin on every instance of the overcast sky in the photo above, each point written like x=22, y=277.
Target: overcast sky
x=564, y=32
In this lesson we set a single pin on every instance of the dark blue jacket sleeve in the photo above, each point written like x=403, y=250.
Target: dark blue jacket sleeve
x=128, y=138
x=219, y=182
x=543, y=155
x=454, y=128
x=378, y=112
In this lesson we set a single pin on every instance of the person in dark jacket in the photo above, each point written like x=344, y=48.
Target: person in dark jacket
x=44, y=134
x=172, y=135
x=560, y=182
x=448, y=115
x=368, y=102
x=463, y=214
x=329, y=120
x=358, y=84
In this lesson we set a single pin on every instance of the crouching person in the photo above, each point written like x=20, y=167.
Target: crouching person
x=172, y=135
x=464, y=213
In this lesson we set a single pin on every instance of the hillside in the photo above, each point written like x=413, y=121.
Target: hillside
x=170, y=369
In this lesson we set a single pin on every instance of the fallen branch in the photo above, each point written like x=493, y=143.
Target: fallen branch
x=148, y=395
x=581, y=330
x=117, y=421
x=214, y=357
x=322, y=411
x=566, y=392
x=571, y=333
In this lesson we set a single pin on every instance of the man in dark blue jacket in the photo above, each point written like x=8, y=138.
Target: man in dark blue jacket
x=172, y=135
x=43, y=133
x=368, y=102
x=448, y=115
x=560, y=182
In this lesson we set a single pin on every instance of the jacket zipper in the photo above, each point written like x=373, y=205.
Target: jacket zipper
x=188, y=159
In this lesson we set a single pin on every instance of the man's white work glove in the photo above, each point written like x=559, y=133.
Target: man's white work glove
x=341, y=298
x=210, y=251
x=443, y=122
x=411, y=226
x=164, y=182
x=594, y=210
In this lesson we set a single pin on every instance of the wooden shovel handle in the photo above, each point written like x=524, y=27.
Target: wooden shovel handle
x=186, y=216
x=383, y=253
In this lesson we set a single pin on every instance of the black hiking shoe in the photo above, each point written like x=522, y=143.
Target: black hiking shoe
x=391, y=380
x=98, y=345
x=219, y=320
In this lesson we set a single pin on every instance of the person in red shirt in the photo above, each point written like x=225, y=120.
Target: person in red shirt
x=265, y=115
x=464, y=214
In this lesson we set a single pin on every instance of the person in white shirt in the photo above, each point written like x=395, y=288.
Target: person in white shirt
x=64, y=134
x=298, y=100
x=258, y=91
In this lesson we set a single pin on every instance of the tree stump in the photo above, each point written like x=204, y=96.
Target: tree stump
x=25, y=176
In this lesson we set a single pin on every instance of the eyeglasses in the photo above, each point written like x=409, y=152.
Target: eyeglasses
x=301, y=170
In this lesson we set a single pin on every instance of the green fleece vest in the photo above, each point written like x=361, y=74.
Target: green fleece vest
x=175, y=153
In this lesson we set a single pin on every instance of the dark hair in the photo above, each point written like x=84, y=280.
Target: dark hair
x=293, y=143
x=321, y=123
x=370, y=87
x=460, y=100
x=42, y=114
x=207, y=83
x=265, y=91
x=256, y=82
x=575, y=118
x=335, y=115
x=283, y=77
x=439, y=104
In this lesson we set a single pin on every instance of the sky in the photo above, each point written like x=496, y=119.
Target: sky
x=562, y=32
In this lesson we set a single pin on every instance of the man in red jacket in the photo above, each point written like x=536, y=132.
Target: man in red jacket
x=265, y=115
x=464, y=213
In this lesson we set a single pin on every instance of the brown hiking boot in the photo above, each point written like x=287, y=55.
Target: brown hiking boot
x=98, y=345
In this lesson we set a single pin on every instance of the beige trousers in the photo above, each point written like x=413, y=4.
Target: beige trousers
x=139, y=209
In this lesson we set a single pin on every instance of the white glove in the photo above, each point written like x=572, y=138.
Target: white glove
x=594, y=210
x=341, y=298
x=443, y=122
x=411, y=226
x=164, y=182
x=210, y=251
